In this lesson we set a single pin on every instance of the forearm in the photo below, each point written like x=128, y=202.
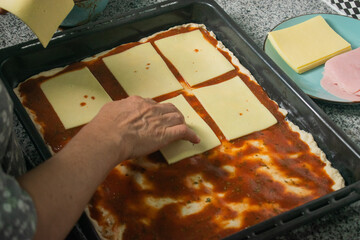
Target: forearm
x=62, y=186
x=130, y=128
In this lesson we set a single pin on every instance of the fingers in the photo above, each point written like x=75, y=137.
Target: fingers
x=162, y=108
x=165, y=108
x=148, y=100
x=173, y=119
x=176, y=127
x=182, y=132
x=167, y=117
x=151, y=105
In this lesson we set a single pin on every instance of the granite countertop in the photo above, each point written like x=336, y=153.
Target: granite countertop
x=256, y=18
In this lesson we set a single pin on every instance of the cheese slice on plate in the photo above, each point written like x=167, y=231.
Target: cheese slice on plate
x=309, y=44
x=234, y=108
x=75, y=96
x=194, y=57
x=141, y=71
x=42, y=16
x=181, y=149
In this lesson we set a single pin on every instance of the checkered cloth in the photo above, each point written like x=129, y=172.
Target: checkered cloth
x=349, y=7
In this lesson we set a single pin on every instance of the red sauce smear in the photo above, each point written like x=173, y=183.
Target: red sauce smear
x=122, y=197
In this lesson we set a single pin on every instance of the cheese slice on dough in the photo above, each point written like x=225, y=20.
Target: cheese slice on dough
x=42, y=16
x=234, y=108
x=75, y=96
x=181, y=149
x=194, y=57
x=309, y=44
x=141, y=71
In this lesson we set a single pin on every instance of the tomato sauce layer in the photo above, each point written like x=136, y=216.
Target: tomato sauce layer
x=207, y=196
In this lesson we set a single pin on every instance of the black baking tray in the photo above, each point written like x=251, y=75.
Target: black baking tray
x=22, y=61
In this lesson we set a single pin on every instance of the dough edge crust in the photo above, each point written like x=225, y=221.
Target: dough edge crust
x=305, y=136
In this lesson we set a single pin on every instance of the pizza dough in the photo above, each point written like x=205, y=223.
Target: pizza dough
x=182, y=149
x=141, y=71
x=230, y=187
x=239, y=112
x=194, y=57
x=75, y=96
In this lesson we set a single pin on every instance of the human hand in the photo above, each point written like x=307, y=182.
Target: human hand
x=141, y=126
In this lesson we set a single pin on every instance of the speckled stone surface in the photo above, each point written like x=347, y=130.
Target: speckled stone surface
x=256, y=18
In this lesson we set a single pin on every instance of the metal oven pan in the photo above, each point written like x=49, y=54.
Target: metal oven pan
x=22, y=61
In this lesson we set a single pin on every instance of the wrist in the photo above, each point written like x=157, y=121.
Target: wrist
x=101, y=142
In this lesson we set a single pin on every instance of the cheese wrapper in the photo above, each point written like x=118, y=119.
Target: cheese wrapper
x=309, y=44
x=42, y=16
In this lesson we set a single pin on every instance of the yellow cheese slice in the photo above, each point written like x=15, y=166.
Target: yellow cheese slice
x=309, y=44
x=42, y=16
x=181, y=149
x=234, y=108
x=75, y=96
x=194, y=57
x=141, y=71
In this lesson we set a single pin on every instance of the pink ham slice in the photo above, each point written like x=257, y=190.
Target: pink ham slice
x=342, y=75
